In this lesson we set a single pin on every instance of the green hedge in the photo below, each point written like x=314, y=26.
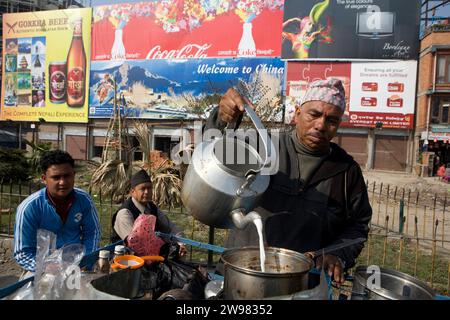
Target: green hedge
x=14, y=165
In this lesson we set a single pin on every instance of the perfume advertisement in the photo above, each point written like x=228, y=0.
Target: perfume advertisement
x=175, y=29
x=351, y=29
x=45, y=66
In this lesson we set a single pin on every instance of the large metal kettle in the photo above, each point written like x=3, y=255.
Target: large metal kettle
x=224, y=179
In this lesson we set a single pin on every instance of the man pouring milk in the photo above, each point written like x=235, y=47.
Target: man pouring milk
x=318, y=196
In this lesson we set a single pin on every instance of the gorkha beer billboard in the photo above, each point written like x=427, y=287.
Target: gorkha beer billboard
x=45, y=65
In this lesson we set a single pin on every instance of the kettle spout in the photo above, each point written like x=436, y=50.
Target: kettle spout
x=240, y=220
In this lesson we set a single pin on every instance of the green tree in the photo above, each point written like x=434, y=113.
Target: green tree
x=38, y=150
x=14, y=165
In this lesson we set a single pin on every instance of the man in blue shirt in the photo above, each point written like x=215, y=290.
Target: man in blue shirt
x=60, y=208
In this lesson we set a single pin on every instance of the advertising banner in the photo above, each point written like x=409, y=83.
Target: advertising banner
x=183, y=89
x=351, y=29
x=300, y=74
x=45, y=65
x=175, y=29
x=377, y=94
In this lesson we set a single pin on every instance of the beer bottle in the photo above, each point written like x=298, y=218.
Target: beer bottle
x=76, y=67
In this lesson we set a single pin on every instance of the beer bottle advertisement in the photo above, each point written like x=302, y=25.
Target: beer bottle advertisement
x=45, y=65
x=76, y=68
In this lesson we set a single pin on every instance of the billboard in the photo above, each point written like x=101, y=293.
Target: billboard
x=175, y=29
x=376, y=92
x=45, y=65
x=349, y=29
x=182, y=89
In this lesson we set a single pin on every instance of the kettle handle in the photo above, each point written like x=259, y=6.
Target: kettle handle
x=262, y=132
x=246, y=186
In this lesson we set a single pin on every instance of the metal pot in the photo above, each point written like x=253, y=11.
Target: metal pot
x=286, y=273
x=394, y=285
x=225, y=174
x=125, y=281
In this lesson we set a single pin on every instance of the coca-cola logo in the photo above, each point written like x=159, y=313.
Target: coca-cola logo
x=188, y=51
x=75, y=83
x=58, y=84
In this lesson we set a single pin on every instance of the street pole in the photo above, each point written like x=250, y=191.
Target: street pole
x=19, y=135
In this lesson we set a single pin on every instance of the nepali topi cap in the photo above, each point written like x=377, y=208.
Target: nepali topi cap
x=140, y=177
x=330, y=91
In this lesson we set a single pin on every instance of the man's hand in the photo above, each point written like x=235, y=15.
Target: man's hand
x=182, y=250
x=333, y=265
x=230, y=106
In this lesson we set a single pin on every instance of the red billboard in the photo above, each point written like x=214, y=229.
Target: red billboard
x=376, y=92
x=175, y=29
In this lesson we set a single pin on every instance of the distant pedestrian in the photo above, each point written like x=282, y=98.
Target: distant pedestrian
x=441, y=171
x=447, y=173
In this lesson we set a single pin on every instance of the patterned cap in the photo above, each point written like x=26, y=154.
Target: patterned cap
x=329, y=91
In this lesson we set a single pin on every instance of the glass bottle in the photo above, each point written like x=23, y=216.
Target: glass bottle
x=119, y=250
x=102, y=265
x=76, y=67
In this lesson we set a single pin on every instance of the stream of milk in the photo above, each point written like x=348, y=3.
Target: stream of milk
x=262, y=253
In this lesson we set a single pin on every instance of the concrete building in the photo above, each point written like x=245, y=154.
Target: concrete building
x=432, y=131
x=376, y=148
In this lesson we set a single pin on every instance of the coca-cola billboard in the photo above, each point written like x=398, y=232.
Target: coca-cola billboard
x=191, y=29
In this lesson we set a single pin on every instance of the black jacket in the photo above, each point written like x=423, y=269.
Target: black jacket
x=331, y=207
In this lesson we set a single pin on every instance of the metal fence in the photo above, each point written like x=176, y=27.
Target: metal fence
x=409, y=229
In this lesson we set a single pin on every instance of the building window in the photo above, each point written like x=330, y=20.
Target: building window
x=138, y=154
x=440, y=110
x=97, y=151
x=445, y=114
x=435, y=110
x=443, y=69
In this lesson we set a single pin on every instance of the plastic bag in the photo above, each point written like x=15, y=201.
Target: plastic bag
x=61, y=276
x=24, y=293
x=57, y=275
x=171, y=274
x=45, y=245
